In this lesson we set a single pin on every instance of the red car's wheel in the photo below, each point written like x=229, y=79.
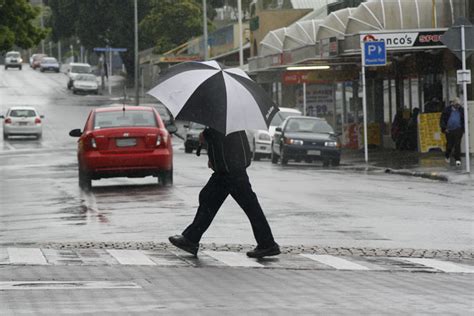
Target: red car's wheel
x=85, y=180
x=166, y=178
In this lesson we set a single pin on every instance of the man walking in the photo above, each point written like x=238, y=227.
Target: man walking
x=452, y=124
x=229, y=157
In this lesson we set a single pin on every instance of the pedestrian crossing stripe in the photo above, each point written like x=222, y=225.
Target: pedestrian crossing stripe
x=444, y=266
x=32, y=256
x=207, y=258
x=336, y=262
x=131, y=257
x=234, y=259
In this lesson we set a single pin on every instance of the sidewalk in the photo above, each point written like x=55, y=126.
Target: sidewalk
x=426, y=165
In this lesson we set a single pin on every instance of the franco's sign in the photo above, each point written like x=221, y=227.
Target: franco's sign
x=409, y=39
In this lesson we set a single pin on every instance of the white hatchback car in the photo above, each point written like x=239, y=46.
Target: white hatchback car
x=260, y=141
x=75, y=69
x=22, y=121
x=86, y=83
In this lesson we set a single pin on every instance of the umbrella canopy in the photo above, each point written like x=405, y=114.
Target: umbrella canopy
x=225, y=99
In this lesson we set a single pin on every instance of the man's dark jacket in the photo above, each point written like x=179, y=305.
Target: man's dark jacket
x=443, y=120
x=227, y=154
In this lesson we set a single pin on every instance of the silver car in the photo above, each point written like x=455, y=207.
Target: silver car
x=49, y=64
x=13, y=60
x=22, y=121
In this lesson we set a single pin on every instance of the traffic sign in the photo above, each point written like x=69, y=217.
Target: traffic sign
x=464, y=76
x=375, y=53
x=109, y=49
x=452, y=38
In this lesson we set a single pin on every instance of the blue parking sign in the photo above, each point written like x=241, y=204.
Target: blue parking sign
x=375, y=53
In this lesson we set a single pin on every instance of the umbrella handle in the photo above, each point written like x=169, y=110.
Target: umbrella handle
x=198, y=150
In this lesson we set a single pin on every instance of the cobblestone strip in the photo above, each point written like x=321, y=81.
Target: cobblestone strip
x=296, y=249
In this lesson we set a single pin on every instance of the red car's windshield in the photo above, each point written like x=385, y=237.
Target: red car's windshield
x=124, y=119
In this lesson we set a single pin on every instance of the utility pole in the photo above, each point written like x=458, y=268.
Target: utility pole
x=241, y=49
x=42, y=26
x=204, y=14
x=59, y=52
x=136, y=53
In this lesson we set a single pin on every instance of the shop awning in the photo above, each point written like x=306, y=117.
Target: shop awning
x=272, y=43
x=310, y=4
x=334, y=25
x=301, y=34
x=387, y=15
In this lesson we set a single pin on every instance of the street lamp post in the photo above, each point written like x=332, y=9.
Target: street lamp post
x=204, y=14
x=241, y=50
x=136, y=53
x=42, y=26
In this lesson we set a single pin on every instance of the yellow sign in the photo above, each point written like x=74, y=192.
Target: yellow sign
x=373, y=136
x=429, y=132
x=353, y=136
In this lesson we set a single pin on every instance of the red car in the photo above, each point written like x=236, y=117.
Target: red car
x=124, y=141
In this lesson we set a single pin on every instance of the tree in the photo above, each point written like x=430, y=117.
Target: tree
x=170, y=24
x=164, y=24
x=16, y=27
x=98, y=23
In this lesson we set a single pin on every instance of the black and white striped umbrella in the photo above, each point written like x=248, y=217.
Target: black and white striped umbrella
x=225, y=99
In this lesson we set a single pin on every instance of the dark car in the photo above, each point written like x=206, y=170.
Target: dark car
x=306, y=139
x=192, y=136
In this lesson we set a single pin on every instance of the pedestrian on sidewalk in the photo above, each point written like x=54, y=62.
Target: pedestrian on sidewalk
x=452, y=125
x=229, y=157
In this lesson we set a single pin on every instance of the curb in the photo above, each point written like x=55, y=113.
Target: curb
x=426, y=175
x=466, y=254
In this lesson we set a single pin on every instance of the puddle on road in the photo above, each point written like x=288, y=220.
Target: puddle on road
x=102, y=202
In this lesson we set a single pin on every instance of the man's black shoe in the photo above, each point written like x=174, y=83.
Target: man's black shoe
x=182, y=243
x=264, y=252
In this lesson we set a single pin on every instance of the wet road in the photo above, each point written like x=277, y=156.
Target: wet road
x=305, y=204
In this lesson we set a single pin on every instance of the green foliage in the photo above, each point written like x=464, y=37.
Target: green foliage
x=170, y=24
x=16, y=27
x=163, y=24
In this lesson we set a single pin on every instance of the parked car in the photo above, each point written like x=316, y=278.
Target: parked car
x=165, y=114
x=305, y=138
x=36, y=60
x=49, y=64
x=13, y=60
x=124, y=141
x=75, y=69
x=85, y=83
x=260, y=140
x=22, y=121
x=192, y=136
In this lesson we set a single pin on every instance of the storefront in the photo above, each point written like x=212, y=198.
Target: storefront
x=420, y=72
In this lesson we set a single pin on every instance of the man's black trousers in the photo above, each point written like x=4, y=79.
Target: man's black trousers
x=453, y=141
x=213, y=195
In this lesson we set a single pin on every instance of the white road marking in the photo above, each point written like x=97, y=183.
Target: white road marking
x=234, y=259
x=66, y=285
x=444, y=266
x=336, y=262
x=26, y=256
x=10, y=147
x=131, y=257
